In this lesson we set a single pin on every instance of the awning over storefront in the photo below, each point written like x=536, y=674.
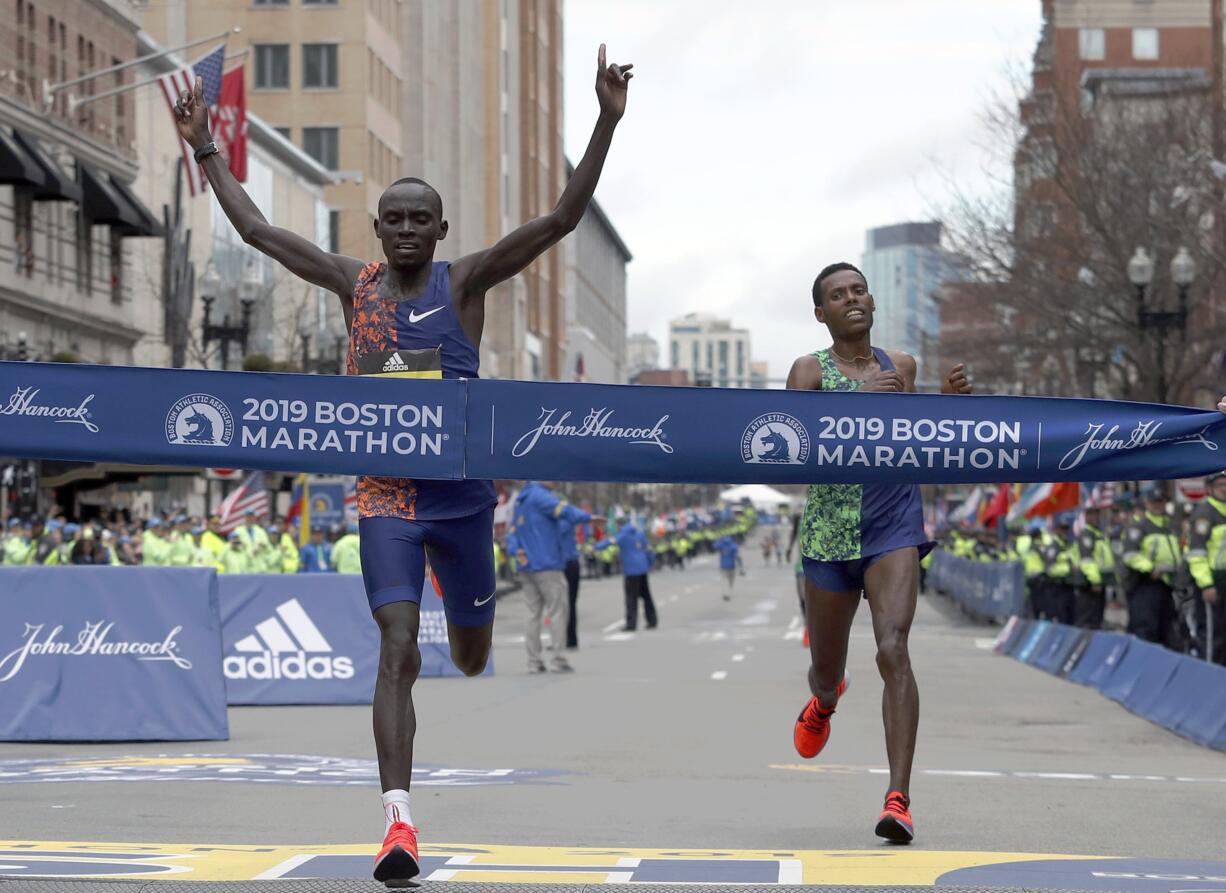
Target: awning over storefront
x=57, y=184
x=17, y=168
x=110, y=201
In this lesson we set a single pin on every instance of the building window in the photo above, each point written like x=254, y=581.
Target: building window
x=272, y=66
x=272, y=2
x=321, y=144
x=319, y=65
x=710, y=355
x=285, y=132
x=23, y=222
x=319, y=2
x=694, y=355
x=85, y=254
x=676, y=355
x=740, y=359
x=334, y=232
x=1145, y=43
x=1093, y=44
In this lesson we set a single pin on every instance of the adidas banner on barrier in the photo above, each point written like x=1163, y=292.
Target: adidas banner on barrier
x=526, y=430
x=110, y=654
x=309, y=639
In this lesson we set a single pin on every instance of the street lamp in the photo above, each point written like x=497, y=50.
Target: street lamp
x=304, y=332
x=1141, y=274
x=225, y=333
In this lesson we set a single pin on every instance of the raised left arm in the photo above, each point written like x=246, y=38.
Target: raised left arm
x=474, y=274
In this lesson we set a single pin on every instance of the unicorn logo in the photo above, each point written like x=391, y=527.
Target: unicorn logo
x=199, y=420
x=775, y=439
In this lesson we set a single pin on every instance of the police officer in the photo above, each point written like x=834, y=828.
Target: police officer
x=346, y=555
x=1097, y=566
x=1152, y=554
x=155, y=551
x=234, y=557
x=1060, y=558
x=1207, y=562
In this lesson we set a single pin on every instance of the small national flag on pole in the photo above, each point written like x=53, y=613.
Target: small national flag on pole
x=250, y=496
x=208, y=69
x=351, y=501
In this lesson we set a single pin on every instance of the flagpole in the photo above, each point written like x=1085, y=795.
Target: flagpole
x=75, y=103
x=50, y=90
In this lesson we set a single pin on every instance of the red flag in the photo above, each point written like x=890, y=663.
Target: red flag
x=997, y=508
x=1063, y=497
x=232, y=122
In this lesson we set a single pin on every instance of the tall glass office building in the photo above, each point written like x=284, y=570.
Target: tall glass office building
x=905, y=265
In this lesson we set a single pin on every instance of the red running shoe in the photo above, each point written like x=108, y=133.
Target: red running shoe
x=812, y=729
x=805, y=641
x=397, y=861
x=895, y=824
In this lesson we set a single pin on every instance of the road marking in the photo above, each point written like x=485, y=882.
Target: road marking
x=985, y=644
x=719, y=675
x=844, y=769
x=619, y=637
x=737, y=658
x=673, y=598
x=609, y=627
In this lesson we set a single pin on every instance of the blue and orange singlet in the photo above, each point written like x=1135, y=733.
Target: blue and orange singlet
x=422, y=338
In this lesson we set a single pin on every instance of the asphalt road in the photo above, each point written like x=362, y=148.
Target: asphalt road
x=682, y=737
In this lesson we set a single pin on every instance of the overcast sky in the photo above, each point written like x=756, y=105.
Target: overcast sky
x=762, y=139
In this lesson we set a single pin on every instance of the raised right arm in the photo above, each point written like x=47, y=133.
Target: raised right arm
x=303, y=258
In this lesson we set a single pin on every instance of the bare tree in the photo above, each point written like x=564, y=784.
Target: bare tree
x=1093, y=181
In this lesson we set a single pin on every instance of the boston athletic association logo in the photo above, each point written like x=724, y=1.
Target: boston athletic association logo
x=775, y=439
x=199, y=420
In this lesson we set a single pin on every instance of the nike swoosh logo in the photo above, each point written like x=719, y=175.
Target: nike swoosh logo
x=484, y=600
x=414, y=318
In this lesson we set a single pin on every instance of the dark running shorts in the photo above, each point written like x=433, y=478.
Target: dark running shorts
x=461, y=552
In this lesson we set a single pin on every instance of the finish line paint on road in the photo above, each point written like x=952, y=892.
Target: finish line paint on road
x=263, y=768
x=592, y=865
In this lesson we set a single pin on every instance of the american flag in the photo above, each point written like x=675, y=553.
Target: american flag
x=208, y=69
x=351, y=500
x=1102, y=496
x=250, y=496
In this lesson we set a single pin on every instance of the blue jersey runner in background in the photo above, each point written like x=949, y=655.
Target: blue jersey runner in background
x=539, y=430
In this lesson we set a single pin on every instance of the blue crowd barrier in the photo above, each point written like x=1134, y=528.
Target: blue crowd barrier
x=310, y=639
x=110, y=654
x=1179, y=693
x=989, y=590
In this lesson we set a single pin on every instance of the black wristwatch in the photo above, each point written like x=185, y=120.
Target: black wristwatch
x=209, y=148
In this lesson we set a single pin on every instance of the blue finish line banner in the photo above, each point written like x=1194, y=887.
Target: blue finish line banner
x=525, y=430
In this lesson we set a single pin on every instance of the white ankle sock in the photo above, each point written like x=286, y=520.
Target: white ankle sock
x=395, y=808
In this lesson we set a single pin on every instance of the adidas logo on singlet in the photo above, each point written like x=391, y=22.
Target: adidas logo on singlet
x=395, y=364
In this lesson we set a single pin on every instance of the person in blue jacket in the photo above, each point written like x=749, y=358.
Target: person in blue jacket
x=316, y=556
x=567, y=521
x=636, y=562
x=729, y=559
x=536, y=543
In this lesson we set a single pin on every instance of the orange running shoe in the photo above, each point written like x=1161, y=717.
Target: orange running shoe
x=397, y=861
x=805, y=641
x=895, y=824
x=812, y=729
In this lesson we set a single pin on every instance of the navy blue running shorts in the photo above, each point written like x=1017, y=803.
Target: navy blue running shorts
x=461, y=552
x=840, y=576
